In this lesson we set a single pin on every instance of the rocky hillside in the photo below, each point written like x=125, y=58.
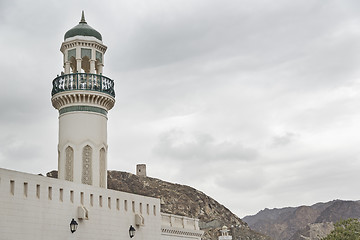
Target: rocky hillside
x=185, y=201
x=304, y=222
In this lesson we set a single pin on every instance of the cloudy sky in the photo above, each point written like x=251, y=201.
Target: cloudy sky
x=254, y=102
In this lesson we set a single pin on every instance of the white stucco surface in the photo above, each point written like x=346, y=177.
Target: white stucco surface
x=179, y=227
x=37, y=207
x=78, y=129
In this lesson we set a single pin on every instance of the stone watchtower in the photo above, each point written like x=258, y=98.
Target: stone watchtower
x=141, y=170
x=83, y=96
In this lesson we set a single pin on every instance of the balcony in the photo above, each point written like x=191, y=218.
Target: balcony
x=83, y=81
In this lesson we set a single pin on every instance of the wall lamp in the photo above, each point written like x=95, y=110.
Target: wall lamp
x=73, y=226
x=131, y=231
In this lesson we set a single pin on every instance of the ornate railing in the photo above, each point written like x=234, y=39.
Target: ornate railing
x=83, y=81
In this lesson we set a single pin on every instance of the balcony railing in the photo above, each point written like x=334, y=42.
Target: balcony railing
x=83, y=81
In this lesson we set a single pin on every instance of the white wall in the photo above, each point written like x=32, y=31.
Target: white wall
x=179, y=227
x=39, y=208
x=44, y=214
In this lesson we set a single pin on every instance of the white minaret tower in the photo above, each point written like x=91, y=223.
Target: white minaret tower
x=83, y=96
x=225, y=234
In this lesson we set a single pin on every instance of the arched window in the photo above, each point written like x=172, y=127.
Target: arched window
x=102, y=168
x=73, y=64
x=85, y=59
x=85, y=64
x=72, y=59
x=98, y=62
x=69, y=164
x=87, y=165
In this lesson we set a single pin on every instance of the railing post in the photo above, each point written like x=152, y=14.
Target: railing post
x=90, y=86
x=66, y=82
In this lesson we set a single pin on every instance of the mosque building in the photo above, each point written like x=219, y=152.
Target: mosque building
x=78, y=204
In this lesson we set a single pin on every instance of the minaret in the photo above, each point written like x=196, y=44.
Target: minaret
x=83, y=96
x=224, y=234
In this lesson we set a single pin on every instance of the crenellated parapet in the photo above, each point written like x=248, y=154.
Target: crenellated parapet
x=174, y=226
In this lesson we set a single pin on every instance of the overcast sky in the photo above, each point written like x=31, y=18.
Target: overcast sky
x=254, y=102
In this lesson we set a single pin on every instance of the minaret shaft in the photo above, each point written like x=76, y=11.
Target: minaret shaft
x=86, y=133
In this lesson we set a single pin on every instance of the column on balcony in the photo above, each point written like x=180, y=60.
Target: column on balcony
x=100, y=68
x=99, y=62
x=66, y=62
x=78, y=59
x=67, y=67
x=92, y=66
x=78, y=65
x=92, y=61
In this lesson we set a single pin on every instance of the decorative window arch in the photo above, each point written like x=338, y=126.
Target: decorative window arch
x=102, y=168
x=87, y=165
x=71, y=57
x=85, y=59
x=69, y=164
x=85, y=64
x=98, y=61
x=73, y=64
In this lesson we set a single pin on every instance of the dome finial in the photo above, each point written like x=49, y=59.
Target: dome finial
x=82, y=17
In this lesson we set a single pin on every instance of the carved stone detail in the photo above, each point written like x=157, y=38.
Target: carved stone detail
x=80, y=97
x=87, y=165
x=69, y=164
x=102, y=168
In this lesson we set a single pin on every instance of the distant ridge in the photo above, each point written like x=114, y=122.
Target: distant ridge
x=304, y=222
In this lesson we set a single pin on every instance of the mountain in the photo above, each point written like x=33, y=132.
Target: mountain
x=185, y=201
x=304, y=222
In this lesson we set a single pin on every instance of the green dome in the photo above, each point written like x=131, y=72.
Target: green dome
x=82, y=29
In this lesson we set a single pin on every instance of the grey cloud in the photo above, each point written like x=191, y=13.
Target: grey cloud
x=242, y=178
x=235, y=70
x=227, y=30
x=328, y=114
x=324, y=175
x=15, y=148
x=202, y=147
x=284, y=139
